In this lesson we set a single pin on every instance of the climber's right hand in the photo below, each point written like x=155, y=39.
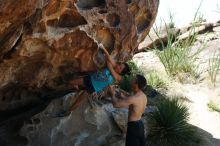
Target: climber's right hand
x=104, y=49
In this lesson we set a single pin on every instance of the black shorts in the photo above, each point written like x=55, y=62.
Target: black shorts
x=135, y=134
x=88, y=84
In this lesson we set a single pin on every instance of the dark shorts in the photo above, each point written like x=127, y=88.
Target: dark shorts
x=88, y=84
x=135, y=134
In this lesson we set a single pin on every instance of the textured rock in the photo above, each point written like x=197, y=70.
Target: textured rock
x=90, y=124
x=120, y=117
x=159, y=36
x=45, y=41
x=151, y=62
x=87, y=125
x=157, y=39
x=197, y=30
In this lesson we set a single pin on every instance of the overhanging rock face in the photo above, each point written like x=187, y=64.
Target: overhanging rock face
x=42, y=41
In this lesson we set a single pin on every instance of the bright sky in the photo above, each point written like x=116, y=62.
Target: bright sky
x=184, y=10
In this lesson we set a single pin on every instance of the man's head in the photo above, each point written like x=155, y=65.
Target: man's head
x=139, y=82
x=122, y=68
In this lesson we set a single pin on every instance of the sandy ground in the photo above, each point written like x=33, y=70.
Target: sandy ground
x=199, y=95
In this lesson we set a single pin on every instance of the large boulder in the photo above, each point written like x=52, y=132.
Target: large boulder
x=90, y=124
x=46, y=43
x=42, y=41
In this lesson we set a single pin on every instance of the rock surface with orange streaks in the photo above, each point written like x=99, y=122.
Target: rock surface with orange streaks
x=46, y=42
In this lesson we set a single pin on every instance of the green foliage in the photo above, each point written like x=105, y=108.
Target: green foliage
x=214, y=107
x=134, y=68
x=214, y=66
x=175, y=60
x=198, y=19
x=125, y=84
x=176, y=54
x=171, y=24
x=155, y=80
x=168, y=125
x=177, y=57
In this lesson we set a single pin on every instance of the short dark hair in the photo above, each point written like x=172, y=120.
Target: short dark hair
x=126, y=70
x=141, y=81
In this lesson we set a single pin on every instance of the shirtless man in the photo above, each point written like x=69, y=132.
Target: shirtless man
x=136, y=105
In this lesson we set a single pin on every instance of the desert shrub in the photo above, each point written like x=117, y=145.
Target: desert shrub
x=176, y=55
x=214, y=66
x=171, y=24
x=175, y=60
x=155, y=80
x=168, y=125
x=125, y=84
x=134, y=68
x=214, y=107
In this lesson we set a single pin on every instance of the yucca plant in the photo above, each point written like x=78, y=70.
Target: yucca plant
x=168, y=125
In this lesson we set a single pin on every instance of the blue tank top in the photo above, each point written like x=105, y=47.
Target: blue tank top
x=101, y=79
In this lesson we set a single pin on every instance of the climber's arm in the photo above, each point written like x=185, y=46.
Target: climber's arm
x=118, y=93
x=111, y=64
x=81, y=98
x=115, y=75
x=109, y=58
x=120, y=103
x=123, y=103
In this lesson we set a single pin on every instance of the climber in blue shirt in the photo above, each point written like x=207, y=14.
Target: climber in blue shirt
x=97, y=81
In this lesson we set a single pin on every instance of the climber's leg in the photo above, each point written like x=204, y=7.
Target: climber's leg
x=80, y=98
x=87, y=84
x=83, y=83
x=77, y=82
